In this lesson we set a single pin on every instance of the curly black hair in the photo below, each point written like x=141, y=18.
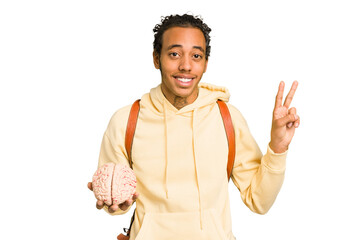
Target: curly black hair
x=180, y=21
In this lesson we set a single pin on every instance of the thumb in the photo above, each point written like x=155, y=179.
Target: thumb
x=90, y=186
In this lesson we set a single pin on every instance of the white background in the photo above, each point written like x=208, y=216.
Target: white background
x=67, y=66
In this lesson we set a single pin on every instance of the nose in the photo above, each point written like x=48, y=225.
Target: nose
x=185, y=64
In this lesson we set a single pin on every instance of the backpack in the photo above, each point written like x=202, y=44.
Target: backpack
x=130, y=131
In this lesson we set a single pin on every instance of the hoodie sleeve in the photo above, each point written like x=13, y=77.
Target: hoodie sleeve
x=113, y=144
x=258, y=177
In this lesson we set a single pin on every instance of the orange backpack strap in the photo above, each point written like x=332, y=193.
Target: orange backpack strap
x=230, y=134
x=130, y=129
x=129, y=136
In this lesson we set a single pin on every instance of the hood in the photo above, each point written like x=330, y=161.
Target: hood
x=208, y=94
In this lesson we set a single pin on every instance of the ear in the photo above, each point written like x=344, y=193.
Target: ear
x=156, y=59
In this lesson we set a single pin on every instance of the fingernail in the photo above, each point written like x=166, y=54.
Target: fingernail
x=296, y=125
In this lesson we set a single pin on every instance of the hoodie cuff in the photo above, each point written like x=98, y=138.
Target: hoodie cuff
x=275, y=161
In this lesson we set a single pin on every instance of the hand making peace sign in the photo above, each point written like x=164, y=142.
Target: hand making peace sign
x=284, y=121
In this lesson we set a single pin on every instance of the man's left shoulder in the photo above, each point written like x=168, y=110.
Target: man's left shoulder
x=236, y=115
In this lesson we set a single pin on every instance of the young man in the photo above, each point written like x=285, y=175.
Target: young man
x=180, y=147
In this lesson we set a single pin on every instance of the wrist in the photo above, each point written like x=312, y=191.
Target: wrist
x=277, y=148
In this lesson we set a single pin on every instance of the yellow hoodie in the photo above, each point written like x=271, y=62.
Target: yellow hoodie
x=180, y=158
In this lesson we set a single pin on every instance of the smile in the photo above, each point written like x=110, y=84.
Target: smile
x=184, y=80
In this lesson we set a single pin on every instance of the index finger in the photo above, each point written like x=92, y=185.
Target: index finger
x=279, y=95
x=290, y=95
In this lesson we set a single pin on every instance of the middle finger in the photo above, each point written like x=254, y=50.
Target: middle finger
x=290, y=95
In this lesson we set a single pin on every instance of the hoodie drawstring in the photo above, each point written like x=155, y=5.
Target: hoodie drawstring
x=166, y=152
x=196, y=169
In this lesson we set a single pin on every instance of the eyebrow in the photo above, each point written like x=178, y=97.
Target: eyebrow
x=180, y=46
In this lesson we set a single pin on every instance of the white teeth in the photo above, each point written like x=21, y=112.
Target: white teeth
x=185, y=80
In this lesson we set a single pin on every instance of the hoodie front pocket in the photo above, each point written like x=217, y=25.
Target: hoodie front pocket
x=180, y=226
x=217, y=224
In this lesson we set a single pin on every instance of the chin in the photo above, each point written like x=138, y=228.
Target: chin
x=184, y=93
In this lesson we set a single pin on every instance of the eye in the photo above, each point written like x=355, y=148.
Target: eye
x=173, y=54
x=197, y=56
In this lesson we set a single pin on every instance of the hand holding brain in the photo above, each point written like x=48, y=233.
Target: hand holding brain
x=113, y=184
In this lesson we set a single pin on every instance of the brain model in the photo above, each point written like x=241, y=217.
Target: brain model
x=114, y=183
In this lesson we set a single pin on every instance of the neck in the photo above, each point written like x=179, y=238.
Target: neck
x=180, y=102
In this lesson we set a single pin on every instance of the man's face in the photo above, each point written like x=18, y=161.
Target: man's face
x=181, y=62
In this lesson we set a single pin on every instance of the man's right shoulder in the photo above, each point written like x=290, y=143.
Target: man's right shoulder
x=120, y=117
x=122, y=112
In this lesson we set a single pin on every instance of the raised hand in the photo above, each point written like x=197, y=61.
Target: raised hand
x=284, y=121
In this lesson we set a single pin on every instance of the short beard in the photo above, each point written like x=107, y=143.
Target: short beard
x=180, y=102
